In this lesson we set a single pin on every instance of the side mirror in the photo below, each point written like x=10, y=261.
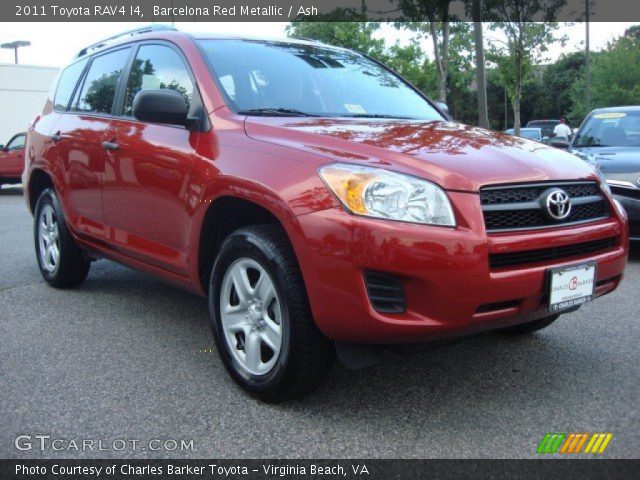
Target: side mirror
x=1, y=147
x=444, y=108
x=160, y=106
x=559, y=143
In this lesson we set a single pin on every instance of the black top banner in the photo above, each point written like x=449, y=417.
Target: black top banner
x=317, y=10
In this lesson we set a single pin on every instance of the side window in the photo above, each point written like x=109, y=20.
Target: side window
x=16, y=143
x=101, y=82
x=157, y=67
x=66, y=84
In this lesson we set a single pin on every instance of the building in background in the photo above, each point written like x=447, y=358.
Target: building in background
x=23, y=91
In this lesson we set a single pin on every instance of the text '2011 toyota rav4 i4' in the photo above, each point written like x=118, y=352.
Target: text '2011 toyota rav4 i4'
x=320, y=202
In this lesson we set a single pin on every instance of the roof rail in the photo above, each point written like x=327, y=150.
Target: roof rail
x=134, y=31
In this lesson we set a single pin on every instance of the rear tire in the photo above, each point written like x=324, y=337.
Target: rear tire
x=258, y=303
x=62, y=263
x=530, y=327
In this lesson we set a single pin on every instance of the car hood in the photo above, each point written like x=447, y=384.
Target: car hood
x=612, y=159
x=455, y=156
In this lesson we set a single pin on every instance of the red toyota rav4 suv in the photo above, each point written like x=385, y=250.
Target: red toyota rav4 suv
x=321, y=203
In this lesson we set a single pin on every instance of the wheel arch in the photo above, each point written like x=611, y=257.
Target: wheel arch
x=224, y=215
x=39, y=180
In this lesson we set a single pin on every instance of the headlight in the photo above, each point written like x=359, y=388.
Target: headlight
x=380, y=193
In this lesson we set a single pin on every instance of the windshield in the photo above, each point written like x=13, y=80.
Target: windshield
x=275, y=78
x=532, y=133
x=610, y=129
x=546, y=126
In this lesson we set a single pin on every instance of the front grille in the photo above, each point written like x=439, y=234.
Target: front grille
x=520, y=207
x=386, y=292
x=528, y=193
x=501, y=260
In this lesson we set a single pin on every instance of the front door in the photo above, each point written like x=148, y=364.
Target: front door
x=148, y=169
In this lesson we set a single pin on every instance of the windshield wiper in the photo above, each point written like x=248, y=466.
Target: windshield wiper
x=276, y=112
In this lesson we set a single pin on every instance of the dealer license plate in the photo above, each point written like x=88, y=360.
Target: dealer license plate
x=571, y=286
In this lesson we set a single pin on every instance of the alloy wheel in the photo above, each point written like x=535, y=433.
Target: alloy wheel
x=251, y=316
x=48, y=239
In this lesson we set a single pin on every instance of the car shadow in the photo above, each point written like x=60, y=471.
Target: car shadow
x=468, y=375
x=11, y=191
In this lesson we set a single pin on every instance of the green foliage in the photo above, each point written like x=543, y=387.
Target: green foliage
x=354, y=35
x=410, y=62
x=507, y=70
x=515, y=57
x=558, y=79
x=633, y=32
x=615, y=78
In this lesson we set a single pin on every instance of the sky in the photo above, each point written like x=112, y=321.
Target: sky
x=55, y=44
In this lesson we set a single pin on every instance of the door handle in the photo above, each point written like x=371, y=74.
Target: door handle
x=56, y=137
x=110, y=145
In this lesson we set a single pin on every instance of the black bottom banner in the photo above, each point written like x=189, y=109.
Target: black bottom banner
x=325, y=469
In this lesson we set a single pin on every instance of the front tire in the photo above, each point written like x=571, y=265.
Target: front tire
x=62, y=263
x=261, y=319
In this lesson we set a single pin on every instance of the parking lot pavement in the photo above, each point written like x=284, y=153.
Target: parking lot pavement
x=128, y=357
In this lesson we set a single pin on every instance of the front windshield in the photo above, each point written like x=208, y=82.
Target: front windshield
x=610, y=129
x=275, y=78
x=531, y=134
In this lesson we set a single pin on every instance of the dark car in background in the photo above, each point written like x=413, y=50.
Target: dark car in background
x=610, y=139
x=12, y=160
x=546, y=126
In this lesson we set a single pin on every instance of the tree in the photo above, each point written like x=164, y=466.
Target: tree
x=438, y=27
x=481, y=81
x=556, y=84
x=411, y=62
x=524, y=42
x=615, y=78
x=354, y=35
x=633, y=32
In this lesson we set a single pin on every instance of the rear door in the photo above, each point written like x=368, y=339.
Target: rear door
x=12, y=158
x=79, y=134
x=148, y=166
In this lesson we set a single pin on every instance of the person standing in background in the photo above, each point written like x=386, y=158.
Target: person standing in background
x=562, y=129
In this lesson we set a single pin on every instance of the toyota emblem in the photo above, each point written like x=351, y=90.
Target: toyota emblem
x=557, y=203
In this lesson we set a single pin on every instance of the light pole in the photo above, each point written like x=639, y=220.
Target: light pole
x=15, y=46
x=587, y=62
x=483, y=116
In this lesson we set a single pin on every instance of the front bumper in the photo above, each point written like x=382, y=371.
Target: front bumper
x=450, y=288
